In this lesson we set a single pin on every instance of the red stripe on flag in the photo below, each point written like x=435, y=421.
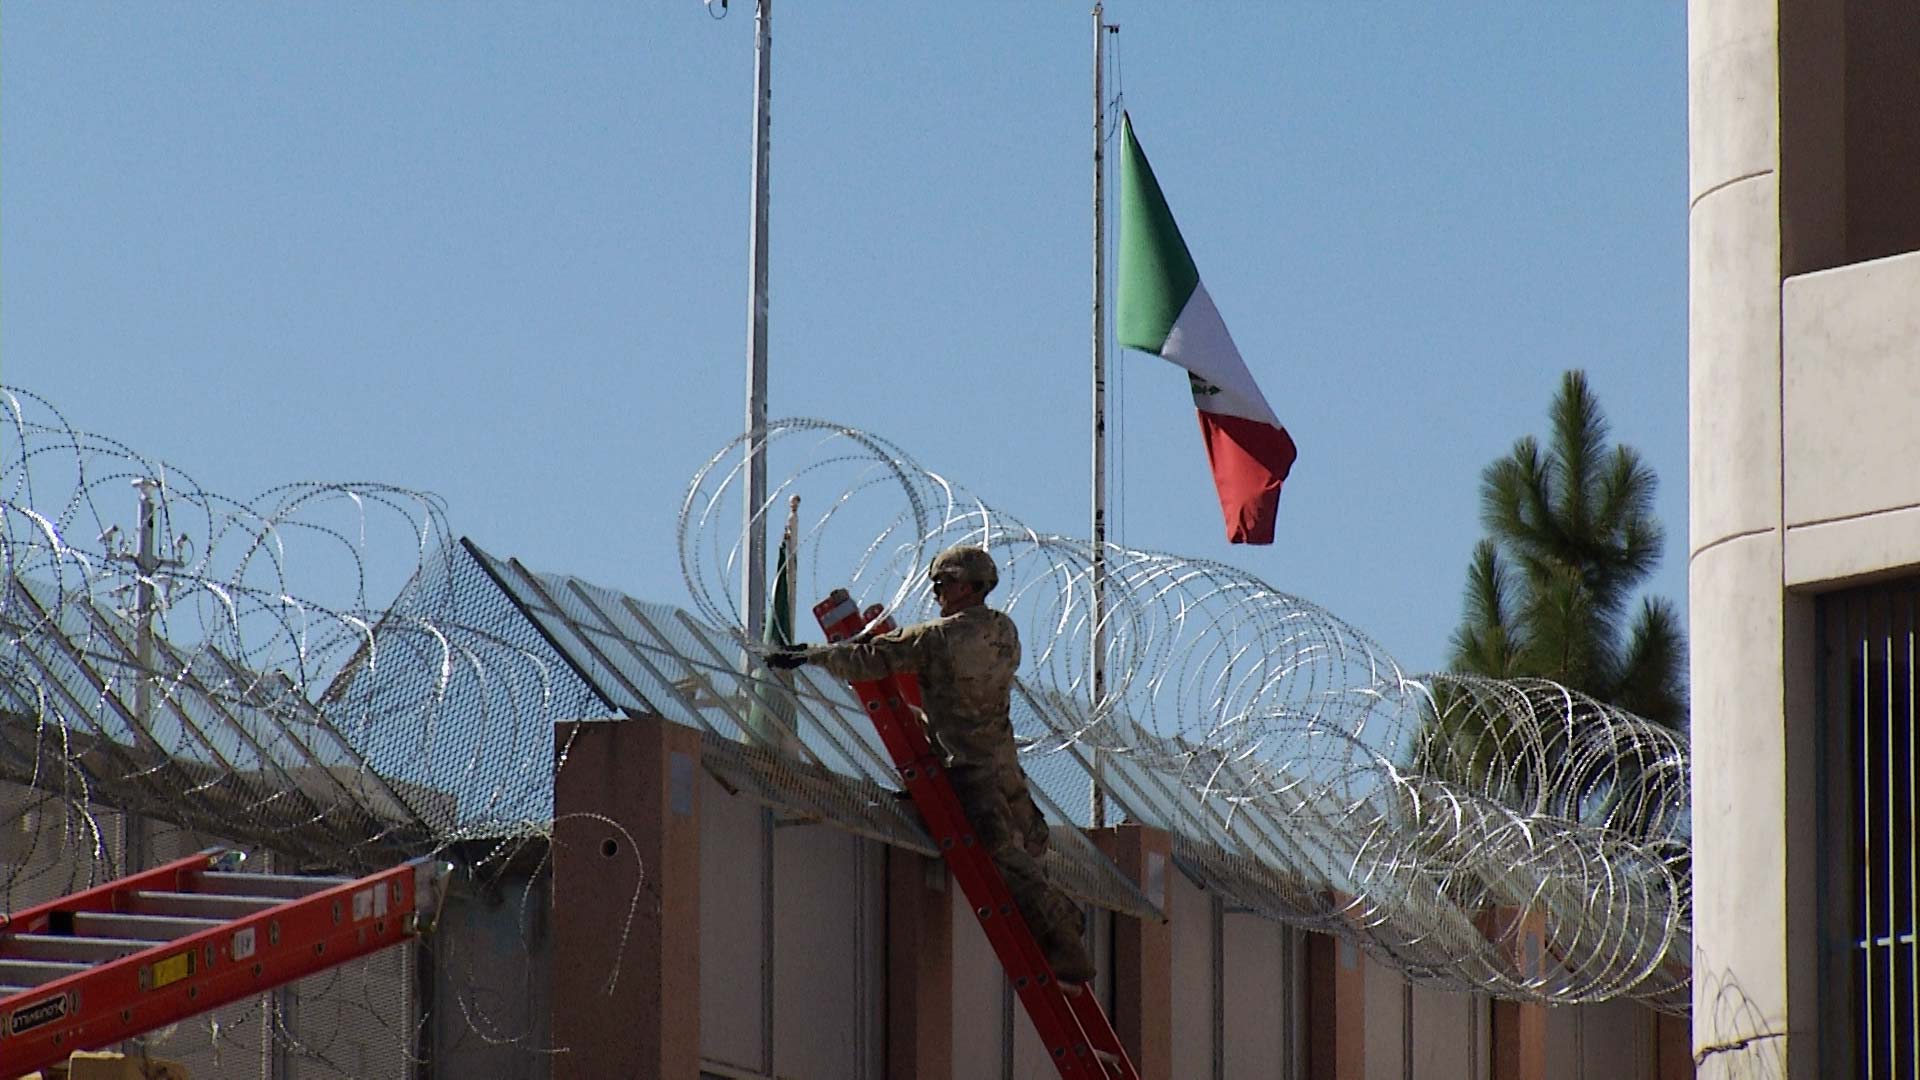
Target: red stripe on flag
x=1250, y=460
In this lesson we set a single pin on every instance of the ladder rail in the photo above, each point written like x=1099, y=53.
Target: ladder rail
x=1079, y=1039
x=103, y=898
x=164, y=979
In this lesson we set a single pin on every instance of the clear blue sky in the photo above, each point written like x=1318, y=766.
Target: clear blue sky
x=498, y=251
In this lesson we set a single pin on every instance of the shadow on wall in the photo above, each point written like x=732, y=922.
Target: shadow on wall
x=1733, y=1035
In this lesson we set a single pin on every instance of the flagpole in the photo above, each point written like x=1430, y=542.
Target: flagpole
x=1098, y=812
x=754, y=573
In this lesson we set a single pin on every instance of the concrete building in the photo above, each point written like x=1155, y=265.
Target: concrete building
x=1804, y=359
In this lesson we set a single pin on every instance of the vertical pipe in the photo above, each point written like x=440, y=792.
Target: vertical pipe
x=1893, y=860
x=1099, y=582
x=1913, y=861
x=133, y=828
x=146, y=562
x=754, y=573
x=1865, y=798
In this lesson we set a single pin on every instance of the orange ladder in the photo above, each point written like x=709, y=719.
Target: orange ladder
x=1076, y=1033
x=148, y=950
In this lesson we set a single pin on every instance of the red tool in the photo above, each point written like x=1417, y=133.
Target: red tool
x=1076, y=1033
x=149, y=950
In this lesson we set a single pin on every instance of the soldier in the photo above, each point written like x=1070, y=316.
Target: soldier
x=966, y=660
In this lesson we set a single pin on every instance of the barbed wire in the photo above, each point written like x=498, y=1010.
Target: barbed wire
x=316, y=673
x=319, y=671
x=1439, y=821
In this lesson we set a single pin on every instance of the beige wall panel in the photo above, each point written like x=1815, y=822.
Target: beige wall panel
x=1851, y=377
x=1563, y=1043
x=1837, y=550
x=491, y=956
x=1732, y=111
x=1029, y=1056
x=730, y=927
x=1616, y=1041
x=1449, y=1035
x=825, y=943
x=1733, y=384
x=1610, y=1040
x=1256, y=995
x=1386, y=1022
x=977, y=987
x=1739, y=804
x=873, y=964
x=1191, y=912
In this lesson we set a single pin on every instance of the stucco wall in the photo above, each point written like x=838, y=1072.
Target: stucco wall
x=1851, y=381
x=1190, y=910
x=731, y=928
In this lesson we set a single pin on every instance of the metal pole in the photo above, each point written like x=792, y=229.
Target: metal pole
x=754, y=573
x=147, y=561
x=1099, y=582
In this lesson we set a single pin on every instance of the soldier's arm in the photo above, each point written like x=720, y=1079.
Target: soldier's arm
x=905, y=650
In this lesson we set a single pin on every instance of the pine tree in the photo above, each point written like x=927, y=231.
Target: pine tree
x=1571, y=536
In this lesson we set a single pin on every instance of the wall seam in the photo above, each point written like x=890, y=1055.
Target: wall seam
x=1747, y=535
x=1724, y=184
x=1843, y=518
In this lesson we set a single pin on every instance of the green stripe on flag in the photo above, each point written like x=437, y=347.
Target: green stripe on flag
x=770, y=714
x=779, y=632
x=1157, y=275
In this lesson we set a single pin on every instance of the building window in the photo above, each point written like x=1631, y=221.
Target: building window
x=1871, y=906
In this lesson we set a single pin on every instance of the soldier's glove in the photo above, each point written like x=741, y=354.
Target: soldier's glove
x=787, y=657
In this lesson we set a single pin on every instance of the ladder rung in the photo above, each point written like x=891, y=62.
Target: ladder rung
x=285, y=886
x=35, y=972
x=200, y=905
x=76, y=950
x=138, y=927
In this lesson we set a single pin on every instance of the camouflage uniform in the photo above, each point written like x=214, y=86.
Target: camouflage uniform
x=966, y=663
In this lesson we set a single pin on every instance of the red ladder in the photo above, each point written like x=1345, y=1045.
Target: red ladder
x=1078, y=1037
x=149, y=950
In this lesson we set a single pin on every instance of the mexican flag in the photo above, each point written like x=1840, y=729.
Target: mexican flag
x=779, y=628
x=1165, y=310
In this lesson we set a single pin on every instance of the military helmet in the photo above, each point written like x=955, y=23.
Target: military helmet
x=966, y=562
